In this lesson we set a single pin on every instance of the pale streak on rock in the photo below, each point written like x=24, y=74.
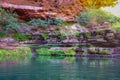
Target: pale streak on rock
x=8, y=5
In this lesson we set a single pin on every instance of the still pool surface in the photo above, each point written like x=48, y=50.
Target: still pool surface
x=60, y=68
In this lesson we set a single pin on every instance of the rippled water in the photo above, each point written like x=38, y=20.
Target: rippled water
x=60, y=68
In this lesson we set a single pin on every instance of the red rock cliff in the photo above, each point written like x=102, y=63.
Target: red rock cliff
x=44, y=9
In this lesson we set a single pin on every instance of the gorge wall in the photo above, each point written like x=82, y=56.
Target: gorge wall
x=66, y=9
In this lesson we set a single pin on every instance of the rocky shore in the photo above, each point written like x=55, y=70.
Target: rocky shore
x=9, y=44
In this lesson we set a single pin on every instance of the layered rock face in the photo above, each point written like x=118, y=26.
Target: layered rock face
x=27, y=9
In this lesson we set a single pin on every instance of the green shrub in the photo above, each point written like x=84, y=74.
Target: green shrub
x=8, y=20
x=47, y=51
x=44, y=51
x=39, y=22
x=105, y=52
x=77, y=34
x=70, y=52
x=85, y=53
x=45, y=36
x=88, y=34
x=58, y=52
x=46, y=23
x=62, y=37
x=21, y=37
x=67, y=23
x=57, y=32
x=17, y=53
x=114, y=19
x=116, y=26
x=96, y=16
x=3, y=34
x=84, y=19
x=58, y=22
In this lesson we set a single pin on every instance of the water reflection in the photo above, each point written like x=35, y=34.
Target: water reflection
x=59, y=68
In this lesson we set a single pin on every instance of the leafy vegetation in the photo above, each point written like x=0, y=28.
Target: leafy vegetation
x=8, y=20
x=105, y=52
x=10, y=25
x=21, y=37
x=47, y=51
x=116, y=26
x=58, y=22
x=40, y=23
x=57, y=52
x=85, y=53
x=70, y=52
x=46, y=23
x=96, y=16
x=94, y=50
x=45, y=36
x=44, y=51
x=63, y=37
x=19, y=52
x=3, y=34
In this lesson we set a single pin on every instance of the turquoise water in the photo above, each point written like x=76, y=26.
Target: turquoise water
x=60, y=68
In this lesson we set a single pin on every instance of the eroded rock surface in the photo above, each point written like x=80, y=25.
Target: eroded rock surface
x=27, y=9
x=8, y=43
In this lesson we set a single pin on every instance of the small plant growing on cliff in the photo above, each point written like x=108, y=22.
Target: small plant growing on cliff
x=39, y=22
x=8, y=20
x=63, y=37
x=57, y=52
x=22, y=37
x=44, y=51
x=3, y=34
x=45, y=36
x=85, y=53
x=46, y=23
x=116, y=26
x=105, y=52
x=70, y=52
x=58, y=22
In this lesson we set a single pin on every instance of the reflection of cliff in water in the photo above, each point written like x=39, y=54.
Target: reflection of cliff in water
x=11, y=61
x=34, y=52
